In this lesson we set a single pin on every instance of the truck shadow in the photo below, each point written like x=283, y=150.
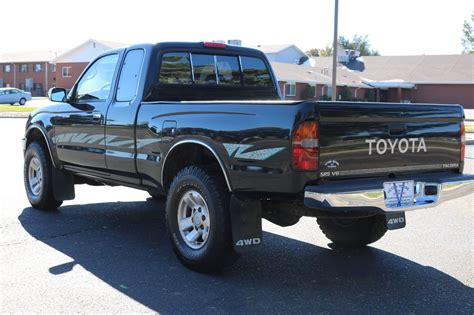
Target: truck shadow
x=125, y=245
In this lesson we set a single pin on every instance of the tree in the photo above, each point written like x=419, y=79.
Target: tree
x=313, y=52
x=358, y=42
x=326, y=52
x=467, y=39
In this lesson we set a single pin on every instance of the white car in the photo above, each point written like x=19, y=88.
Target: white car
x=12, y=96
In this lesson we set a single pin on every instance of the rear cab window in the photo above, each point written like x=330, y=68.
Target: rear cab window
x=187, y=74
x=182, y=68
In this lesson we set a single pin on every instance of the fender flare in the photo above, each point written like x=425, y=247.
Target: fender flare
x=205, y=145
x=46, y=139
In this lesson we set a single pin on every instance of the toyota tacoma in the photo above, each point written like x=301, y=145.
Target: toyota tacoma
x=203, y=126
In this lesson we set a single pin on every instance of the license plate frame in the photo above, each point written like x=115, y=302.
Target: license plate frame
x=399, y=194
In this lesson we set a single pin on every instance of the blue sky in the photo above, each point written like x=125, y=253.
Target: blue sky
x=401, y=27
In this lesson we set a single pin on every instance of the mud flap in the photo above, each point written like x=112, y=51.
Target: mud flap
x=63, y=185
x=246, y=217
x=395, y=220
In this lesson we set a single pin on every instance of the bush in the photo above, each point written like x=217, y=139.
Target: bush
x=370, y=95
x=345, y=94
x=308, y=92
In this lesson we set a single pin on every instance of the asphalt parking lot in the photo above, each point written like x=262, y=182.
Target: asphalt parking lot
x=107, y=251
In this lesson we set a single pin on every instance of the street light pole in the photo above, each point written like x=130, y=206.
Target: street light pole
x=334, y=53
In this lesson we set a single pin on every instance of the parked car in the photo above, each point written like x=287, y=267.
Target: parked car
x=12, y=96
x=202, y=125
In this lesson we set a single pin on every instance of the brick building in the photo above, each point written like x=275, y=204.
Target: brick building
x=298, y=82
x=71, y=63
x=29, y=71
x=444, y=79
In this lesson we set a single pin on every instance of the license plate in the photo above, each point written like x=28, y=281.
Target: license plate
x=399, y=194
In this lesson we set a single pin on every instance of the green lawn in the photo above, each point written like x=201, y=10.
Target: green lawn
x=469, y=127
x=16, y=108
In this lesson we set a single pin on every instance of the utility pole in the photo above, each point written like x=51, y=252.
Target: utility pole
x=334, y=53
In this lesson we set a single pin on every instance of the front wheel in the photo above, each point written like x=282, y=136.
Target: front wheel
x=353, y=232
x=198, y=219
x=22, y=101
x=38, y=178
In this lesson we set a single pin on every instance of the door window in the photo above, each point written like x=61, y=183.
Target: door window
x=130, y=75
x=96, y=83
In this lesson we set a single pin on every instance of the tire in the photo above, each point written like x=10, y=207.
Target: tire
x=37, y=175
x=204, y=190
x=353, y=232
x=22, y=101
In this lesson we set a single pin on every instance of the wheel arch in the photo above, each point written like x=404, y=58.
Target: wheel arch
x=37, y=133
x=192, y=147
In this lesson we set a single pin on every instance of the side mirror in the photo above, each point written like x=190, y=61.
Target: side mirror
x=57, y=94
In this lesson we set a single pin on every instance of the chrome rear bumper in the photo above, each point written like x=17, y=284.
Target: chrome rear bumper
x=430, y=191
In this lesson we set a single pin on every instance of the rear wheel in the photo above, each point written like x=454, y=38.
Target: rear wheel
x=353, y=232
x=22, y=101
x=37, y=176
x=198, y=219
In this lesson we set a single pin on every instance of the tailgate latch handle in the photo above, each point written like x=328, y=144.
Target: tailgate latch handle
x=397, y=129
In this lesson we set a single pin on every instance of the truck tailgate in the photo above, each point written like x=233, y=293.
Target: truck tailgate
x=367, y=139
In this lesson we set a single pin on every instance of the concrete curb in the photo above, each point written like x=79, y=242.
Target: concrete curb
x=14, y=115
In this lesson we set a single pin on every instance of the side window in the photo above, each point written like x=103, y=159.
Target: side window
x=130, y=75
x=228, y=70
x=255, y=72
x=96, y=83
x=204, y=70
x=175, y=69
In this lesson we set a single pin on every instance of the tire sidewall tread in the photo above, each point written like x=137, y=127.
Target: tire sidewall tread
x=45, y=200
x=218, y=252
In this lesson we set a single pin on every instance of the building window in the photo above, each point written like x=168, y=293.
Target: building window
x=24, y=67
x=7, y=68
x=290, y=89
x=66, y=72
x=21, y=86
x=329, y=91
x=38, y=67
x=53, y=67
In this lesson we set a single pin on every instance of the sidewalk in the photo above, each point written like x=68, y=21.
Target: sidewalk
x=469, y=113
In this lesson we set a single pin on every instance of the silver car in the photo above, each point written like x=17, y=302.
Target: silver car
x=12, y=96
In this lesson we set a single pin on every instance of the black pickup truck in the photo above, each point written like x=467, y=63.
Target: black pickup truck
x=203, y=126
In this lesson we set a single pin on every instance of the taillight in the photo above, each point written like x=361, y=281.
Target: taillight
x=213, y=45
x=306, y=146
x=463, y=141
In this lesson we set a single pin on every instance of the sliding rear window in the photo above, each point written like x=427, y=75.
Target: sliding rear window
x=180, y=68
x=255, y=72
x=175, y=69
